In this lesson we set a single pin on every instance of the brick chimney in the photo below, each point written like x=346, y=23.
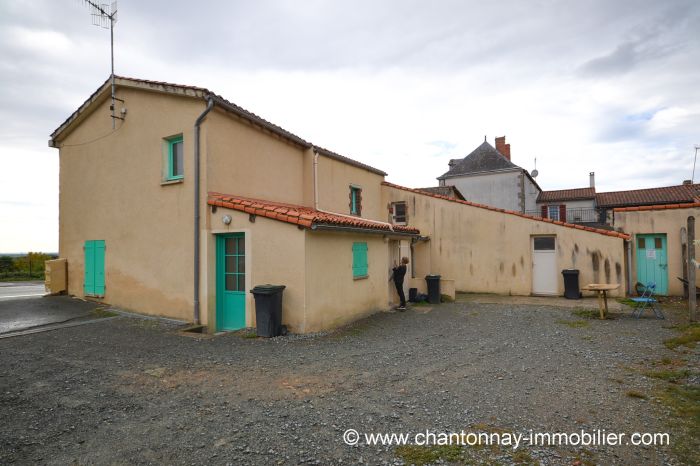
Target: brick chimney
x=502, y=147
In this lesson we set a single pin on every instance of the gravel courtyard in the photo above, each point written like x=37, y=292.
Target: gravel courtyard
x=134, y=391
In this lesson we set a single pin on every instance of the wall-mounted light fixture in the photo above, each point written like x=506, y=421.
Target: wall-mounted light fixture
x=226, y=219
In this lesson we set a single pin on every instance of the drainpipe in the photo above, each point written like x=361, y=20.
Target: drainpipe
x=391, y=227
x=628, y=243
x=197, y=124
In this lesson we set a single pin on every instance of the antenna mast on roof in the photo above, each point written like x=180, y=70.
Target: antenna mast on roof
x=105, y=16
x=692, y=179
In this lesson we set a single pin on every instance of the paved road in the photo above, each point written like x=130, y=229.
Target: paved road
x=28, y=312
x=13, y=290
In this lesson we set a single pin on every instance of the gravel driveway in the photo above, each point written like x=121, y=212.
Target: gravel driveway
x=132, y=391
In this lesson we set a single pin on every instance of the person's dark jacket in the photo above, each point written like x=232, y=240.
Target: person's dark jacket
x=399, y=273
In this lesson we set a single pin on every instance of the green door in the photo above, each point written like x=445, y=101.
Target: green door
x=652, y=262
x=94, y=283
x=230, y=281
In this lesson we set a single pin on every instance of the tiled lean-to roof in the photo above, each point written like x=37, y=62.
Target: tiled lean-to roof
x=657, y=207
x=567, y=195
x=305, y=217
x=510, y=212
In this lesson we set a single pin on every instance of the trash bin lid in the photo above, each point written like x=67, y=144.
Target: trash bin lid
x=432, y=277
x=267, y=289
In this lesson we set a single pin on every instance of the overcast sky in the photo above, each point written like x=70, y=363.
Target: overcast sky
x=605, y=86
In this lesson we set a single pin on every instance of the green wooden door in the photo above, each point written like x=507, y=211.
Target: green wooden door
x=94, y=281
x=652, y=261
x=230, y=281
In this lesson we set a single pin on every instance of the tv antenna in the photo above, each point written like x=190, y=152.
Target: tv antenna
x=105, y=16
x=697, y=146
x=534, y=172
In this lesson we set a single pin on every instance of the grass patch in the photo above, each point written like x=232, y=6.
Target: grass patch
x=627, y=302
x=587, y=313
x=684, y=402
x=689, y=337
x=673, y=376
x=523, y=457
x=250, y=335
x=636, y=394
x=445, y=298
x=421, y=455
x=574, y=323
x=101, y=312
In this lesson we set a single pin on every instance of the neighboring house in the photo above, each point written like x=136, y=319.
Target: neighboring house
x=192, y=201
x=570, y=205
x=488, y=176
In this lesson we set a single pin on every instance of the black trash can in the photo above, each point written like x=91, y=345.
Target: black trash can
x=268, y=310
x=413, y=294
x=433, y=282
x=571, y=289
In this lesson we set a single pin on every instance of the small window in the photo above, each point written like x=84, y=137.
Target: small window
x=176, y=159
x=398, y=213
x=355, y=200
x=553, y=212
x=544, y=243
x=359, y=260
x=657, y=243
x=641, y=244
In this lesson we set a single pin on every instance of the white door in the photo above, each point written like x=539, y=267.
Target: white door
x=544, y=265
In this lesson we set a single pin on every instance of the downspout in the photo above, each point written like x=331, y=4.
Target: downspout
x=197, y=124
x=391, y=227
x=628, y=243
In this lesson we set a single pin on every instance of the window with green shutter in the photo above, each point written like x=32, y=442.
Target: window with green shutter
x=176, y=159
x=355, y=201
x=359, y=260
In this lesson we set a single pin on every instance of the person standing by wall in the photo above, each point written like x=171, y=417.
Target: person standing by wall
x=399, y=274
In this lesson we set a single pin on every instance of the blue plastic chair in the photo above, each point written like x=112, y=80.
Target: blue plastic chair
x=647, y=300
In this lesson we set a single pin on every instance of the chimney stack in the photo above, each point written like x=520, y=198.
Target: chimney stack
x=687, y=182
x=591, y=176
x=502, y=147
x=452, y=163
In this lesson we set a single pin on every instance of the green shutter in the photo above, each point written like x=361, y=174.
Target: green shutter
x=89, y=282
x=94, y=283
x=359, y=260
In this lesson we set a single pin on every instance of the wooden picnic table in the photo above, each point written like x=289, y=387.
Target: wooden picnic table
x=602, y=289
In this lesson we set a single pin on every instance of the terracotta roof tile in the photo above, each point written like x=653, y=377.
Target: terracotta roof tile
x=509, y=212
x=300, y=215
x=566, y=195
x=680, y=194
x=657, y=207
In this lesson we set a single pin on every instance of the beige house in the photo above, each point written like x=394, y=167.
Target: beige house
x=190, y=201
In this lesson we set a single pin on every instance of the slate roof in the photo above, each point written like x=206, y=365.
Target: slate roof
x=449, y=191
x=484, y=158
x=681, y=194
x=203, y=93
x=510, y=212
x=305, y=217
x=576, y=194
